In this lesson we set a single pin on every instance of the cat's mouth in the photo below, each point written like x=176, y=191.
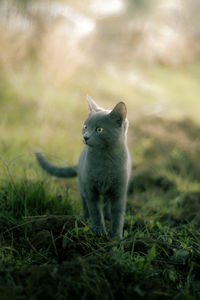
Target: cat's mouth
x=87, y=143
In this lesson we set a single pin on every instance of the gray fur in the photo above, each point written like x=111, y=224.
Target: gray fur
x=66, y=172
x=103, y=168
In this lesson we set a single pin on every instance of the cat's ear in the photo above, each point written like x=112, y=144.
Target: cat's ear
x=92, y=104
x=119, y=113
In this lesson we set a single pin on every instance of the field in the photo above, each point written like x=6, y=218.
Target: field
x=46, y=249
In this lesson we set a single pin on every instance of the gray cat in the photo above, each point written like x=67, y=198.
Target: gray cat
x=103, y=169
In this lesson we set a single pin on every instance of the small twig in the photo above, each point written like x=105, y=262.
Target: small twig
x=11, y=249
x=54, y=245
x=43, y=256
x=101, y=248
x=17, y=226
x=82, y=222
x=115, y=242
x=30, y=217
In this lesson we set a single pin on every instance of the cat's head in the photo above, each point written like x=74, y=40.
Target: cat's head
x=105, y=128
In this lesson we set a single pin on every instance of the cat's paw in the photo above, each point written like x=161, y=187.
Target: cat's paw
x=116, y=236
x=98, y=230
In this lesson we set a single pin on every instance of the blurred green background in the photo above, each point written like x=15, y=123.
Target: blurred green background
x=53, y=53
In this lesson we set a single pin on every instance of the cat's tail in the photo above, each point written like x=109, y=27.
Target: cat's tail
x=66, y=172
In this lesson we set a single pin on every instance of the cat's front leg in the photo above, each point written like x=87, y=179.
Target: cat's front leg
x=85, y=209
x=118, y=204
x=106, y=210
x=82, y=195
x=96, y=214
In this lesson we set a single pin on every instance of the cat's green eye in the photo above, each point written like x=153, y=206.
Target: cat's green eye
x=85, y=127
x=99, y=129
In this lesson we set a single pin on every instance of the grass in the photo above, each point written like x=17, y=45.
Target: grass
x=46, y=250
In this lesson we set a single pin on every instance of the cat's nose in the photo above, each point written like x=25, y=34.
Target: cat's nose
x=86, y=138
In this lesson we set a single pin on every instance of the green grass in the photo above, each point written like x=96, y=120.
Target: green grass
x=46, y=250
